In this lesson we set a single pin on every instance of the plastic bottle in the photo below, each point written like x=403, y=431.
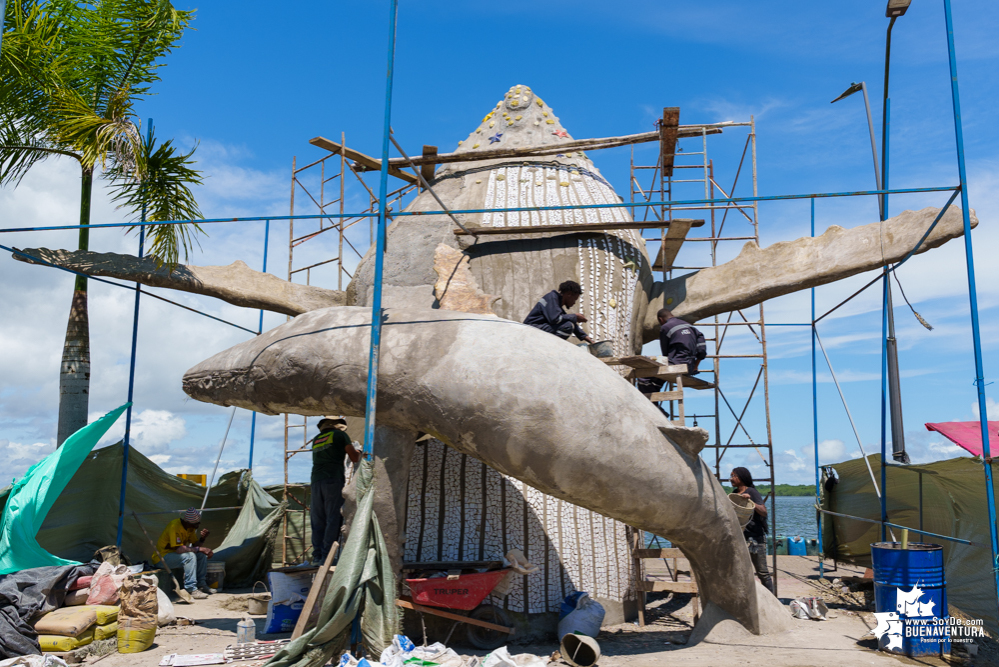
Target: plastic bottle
x=246, y=630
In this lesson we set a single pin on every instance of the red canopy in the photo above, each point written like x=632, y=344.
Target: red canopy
x=968, y=435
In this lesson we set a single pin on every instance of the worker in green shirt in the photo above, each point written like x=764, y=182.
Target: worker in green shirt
x=328, y=478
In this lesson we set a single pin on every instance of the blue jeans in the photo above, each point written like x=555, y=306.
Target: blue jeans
x=195, y=567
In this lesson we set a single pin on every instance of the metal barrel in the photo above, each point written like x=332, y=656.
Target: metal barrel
x=910, y=583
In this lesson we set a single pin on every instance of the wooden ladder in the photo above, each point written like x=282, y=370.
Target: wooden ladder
x=639, y=554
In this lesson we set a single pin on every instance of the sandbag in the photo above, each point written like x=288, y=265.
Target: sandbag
x=51, y=643
x=67, y=622
x=134, y=635
x=108, y=631
x=80, y=583
x=585, y=619
x=105, y=583
x=138, y=600
x=164, y=608
x=76, y=598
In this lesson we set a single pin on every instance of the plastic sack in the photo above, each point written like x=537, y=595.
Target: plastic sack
x=105, y=583
x=808, y=608
x=288, y=593
x=501, y=658
x=164, y=608
x=52, y=643
x=401, y=652
x=67, y=622
x=585, y=619
x=33, y=661
x=135, y=635
x=76, y=598
x=108, y=631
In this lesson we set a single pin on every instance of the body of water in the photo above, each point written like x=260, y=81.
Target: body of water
x=795, y=517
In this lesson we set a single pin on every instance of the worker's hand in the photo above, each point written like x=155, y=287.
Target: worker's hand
x=581, y=318
x=204, y=533
x=208, y=552
x=588, y=339
x=746, y=495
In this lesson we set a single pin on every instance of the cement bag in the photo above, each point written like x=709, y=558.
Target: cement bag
x=137, y=620
x=66, y=622
x=53, y=643
x=105, y=583
x=288, y=593
x=164, y=612
x=135, y=636
x=109, y=631
x=81, y=582
x=585, y=619
x=501, y=658
x=33, y=661
x=105, y=613
x=76, y=598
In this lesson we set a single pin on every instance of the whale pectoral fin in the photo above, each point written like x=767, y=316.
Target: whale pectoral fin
x=690, y=440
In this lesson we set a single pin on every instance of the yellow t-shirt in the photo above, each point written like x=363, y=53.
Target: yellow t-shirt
x=174, y=536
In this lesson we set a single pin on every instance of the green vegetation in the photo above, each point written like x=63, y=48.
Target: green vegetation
x=784, y=489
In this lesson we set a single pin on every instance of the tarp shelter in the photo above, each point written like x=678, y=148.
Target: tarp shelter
x=953, y=503
x=85, y=516
x=968, y=435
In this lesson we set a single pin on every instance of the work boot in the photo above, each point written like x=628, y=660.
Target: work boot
x=198, y=595
x=206, y=590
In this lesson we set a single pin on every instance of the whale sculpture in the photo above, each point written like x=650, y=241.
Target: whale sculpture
x=513, y=397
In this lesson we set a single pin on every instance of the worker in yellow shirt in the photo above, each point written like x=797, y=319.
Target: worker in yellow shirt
x=182, y=545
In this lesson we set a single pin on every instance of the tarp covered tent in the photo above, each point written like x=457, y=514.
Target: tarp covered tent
x=954, y=504
x=85, y=517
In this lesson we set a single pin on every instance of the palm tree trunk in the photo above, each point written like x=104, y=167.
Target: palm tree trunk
x=74, y=374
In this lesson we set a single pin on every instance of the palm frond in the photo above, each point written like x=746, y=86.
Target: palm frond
x=163, y=189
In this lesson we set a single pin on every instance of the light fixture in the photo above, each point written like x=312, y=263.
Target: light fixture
x=854, y=88
x=896, y=8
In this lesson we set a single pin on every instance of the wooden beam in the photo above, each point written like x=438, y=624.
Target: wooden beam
x=364, y=162
x=427, y=170
x=657, y=396
x=676, y=234
x=667, y=586
x=668, y=131
x=659, y=553
x=685, y=131
x=310, y=610
x=571, y=229
x=434, y=611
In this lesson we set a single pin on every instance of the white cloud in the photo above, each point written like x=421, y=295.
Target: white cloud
x=152, y=431
x=991, y=409
x=16, y=458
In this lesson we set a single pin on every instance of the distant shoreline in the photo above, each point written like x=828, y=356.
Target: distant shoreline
x=784, y=489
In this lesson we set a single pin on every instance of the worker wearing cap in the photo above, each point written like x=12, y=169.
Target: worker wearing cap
x=182, y=545
x=549, y=313
x=328, y=478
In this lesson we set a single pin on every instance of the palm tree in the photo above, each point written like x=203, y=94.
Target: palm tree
x=71, y=73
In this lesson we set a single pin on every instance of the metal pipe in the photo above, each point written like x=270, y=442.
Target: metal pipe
x=260, y=330
x=131, y=363
x=815, y=421
x=211, y=480
x=376, y=304
x=899, y=526
x=564, y=207
x=972, y=296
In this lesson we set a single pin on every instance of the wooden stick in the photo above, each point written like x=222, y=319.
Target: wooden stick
x=433, y=611
x=571, y=229
x=669, y=132
x=318, y=587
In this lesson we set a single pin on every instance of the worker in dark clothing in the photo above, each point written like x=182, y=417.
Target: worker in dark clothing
x=328, y=478
x=680, y=341
x=755, y=531
x=549, y=313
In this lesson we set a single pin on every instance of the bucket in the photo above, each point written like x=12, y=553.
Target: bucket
x=897, y=574
x=215, y=577
x=744, y=508
x=579, y=650
x=257, y=602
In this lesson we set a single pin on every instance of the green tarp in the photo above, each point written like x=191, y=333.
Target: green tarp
x=85, y=516
x=362, y=584
x=953, y=504
x=30, y=499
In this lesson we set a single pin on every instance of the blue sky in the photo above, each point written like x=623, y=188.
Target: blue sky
x=253, y=85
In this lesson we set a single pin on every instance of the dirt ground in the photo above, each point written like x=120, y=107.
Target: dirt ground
x=841, y=640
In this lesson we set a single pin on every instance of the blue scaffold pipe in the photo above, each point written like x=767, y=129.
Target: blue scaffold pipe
x=972, y=296
x=131, y=370
x=886, y=285
x=371, y=403
x=815, y=423
x=260, y=330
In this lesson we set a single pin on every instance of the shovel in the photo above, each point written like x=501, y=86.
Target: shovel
x=177, y=588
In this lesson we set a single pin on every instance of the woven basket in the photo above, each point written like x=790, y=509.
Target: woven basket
x=744, y=508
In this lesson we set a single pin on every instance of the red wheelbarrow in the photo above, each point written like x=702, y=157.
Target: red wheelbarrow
x=487, y=625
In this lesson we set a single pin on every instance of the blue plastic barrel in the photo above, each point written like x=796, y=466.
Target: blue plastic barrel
x=897, y=573
x=796, y=546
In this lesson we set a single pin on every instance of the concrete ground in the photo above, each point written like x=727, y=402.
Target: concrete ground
x=841, y=640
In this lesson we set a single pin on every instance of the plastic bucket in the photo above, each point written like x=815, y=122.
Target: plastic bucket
x=579, y=650
x=215, y=577
x=744, y=508
x=796, y=546
x=897, y=573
